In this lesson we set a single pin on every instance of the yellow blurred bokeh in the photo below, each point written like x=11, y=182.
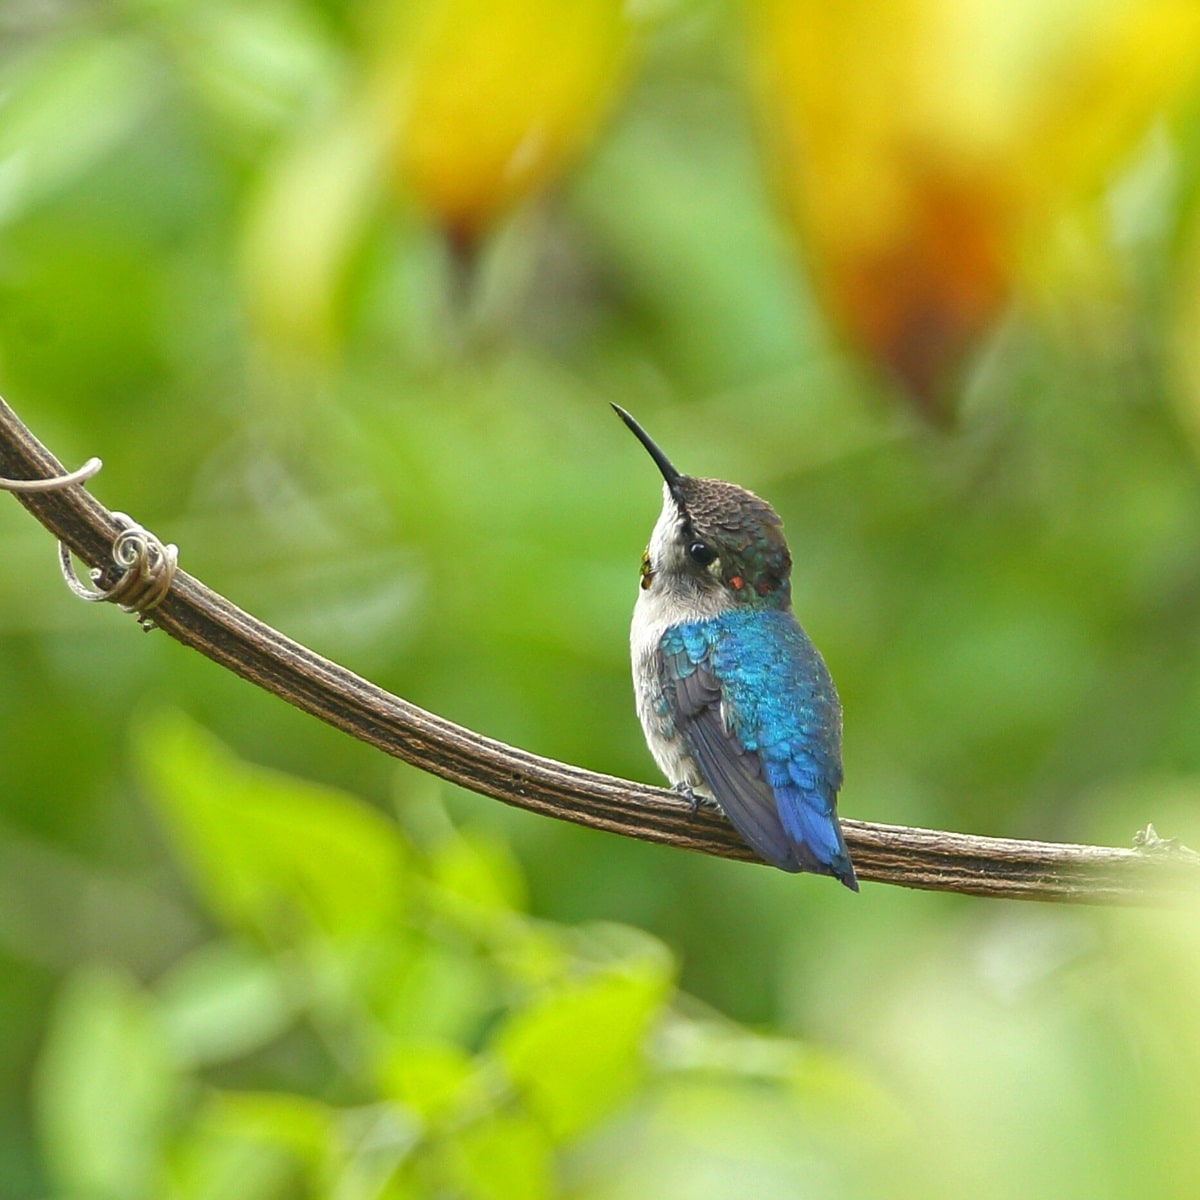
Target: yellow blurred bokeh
x=493, y=100
x=928, y=150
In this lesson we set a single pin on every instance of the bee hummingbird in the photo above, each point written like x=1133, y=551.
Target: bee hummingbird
x=736, y=702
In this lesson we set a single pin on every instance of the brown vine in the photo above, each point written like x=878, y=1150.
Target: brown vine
x=191, y=613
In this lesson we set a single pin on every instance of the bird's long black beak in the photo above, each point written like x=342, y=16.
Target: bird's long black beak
x=669, y=473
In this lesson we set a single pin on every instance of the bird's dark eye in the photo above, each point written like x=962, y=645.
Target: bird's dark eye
x=701, y=553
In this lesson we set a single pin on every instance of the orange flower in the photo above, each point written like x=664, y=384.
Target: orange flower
x=927, y=149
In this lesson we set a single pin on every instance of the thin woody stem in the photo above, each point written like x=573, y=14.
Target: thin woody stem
x=930, y=859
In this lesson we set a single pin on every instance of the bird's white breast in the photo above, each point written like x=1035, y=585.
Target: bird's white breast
x=673, y=598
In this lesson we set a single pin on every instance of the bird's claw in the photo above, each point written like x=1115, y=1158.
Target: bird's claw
x=685, y=790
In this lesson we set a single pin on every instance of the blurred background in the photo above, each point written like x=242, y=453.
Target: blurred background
x=341, y=294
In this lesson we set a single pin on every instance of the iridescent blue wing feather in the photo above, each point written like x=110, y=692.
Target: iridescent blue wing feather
x=760, y=717
x=733, y=775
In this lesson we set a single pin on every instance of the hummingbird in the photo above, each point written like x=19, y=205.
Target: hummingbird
x=736, y=703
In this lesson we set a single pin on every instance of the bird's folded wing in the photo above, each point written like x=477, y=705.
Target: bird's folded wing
x=733, y=773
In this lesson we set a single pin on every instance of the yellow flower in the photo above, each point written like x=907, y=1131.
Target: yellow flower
x=495, y=97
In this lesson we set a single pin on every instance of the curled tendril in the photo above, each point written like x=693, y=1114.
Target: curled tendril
x=147, y=568
x=54, y=483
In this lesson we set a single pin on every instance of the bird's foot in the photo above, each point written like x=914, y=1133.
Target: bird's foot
x=694, y=800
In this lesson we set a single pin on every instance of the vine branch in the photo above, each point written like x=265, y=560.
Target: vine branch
x=935, y=860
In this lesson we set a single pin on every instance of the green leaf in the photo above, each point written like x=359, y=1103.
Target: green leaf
x=254, y=64
x=272, y=855
x=220, y=1002
x=208, y=1166
x=438, y=990
x=577, y=1051
x=296, y=1124
x=253, y=1146
x=432, y=1079
x=373, y=1144
x=503, y=1158
x=479, y=875
x=833, y=1093
x=104, y=1088
x=64, y=107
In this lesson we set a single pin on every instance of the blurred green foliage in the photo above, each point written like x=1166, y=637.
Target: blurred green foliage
x=220, y=981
